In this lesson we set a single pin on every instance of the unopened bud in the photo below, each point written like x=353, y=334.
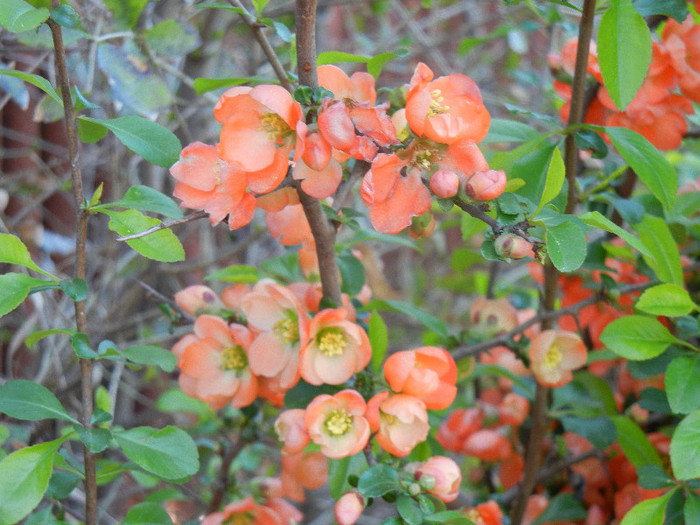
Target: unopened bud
x=422, y=225
x=444, y=183
x=513, y=247
x=349, y=507
x=486, y=185
x=426, y=481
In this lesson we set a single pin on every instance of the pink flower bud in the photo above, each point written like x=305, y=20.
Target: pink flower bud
x=486, y=185
x=198, y=300
x=447, y=477
x=512, y=246
x=444, y=183
x=349, y=507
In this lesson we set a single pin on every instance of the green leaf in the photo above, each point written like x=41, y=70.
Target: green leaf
x=282, y=31
x=377, y=62
x=562, y=507
x=676, y=9
x=636, y=337
x=652, y=477
x=648, y=512
x=334, y=57
x=651, y=166
x=259, y=5
x=666, y=299
x=203, y=85
x=151, y=355
x=13, y=251
x=30, y=401
x=76, y=289
x=15, y=289
x=90, y=132
x=237, y=273
x=600, y=431
x=169, y=453
x=635, y=443
x=17, y=15
x=176, y=400
x=566, y=246
x=529, y=162
x=682, y=383
x=624, y=51
x=339, y=470
x=691, y=510
x=409, y=510
x=126, y=12
x=24, y=477
x=171, y=38
x=598, y=220
x=161, y=245
x=152, y=141
x=451, y=517
x=589, y=140
x=41, y=334
x=556, y=173
x=378, y=339
x=144, y=198
x=66, y=16
x=502, y=130
x=352, y=274
x=378, y=480
x=656, y=236
x=81, y=345
x=147, y=514
x=429, y=321
x=95, y=439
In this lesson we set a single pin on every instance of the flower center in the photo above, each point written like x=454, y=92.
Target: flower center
x=338, y=422
x=553, y=357
x=331, y=341
x=287, y=330
x=234, y=358
x=274, y=126
x=239, y=519
x=436, y=107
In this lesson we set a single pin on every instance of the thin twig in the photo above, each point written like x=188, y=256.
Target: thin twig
x=163, y=225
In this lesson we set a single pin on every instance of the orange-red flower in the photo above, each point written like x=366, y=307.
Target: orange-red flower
x=219, y=188
x=285, y=217
x=428, y=373
x=359, y=86
x=488, y=513
x=400, y=420
x=214, y=363
x=306, y=470
x=258, y=132
x=337, y=349
x=337, y=423
x=290, y=428
x=554, y=354
x=487, y=445
x=274, y=511
x=447, y=109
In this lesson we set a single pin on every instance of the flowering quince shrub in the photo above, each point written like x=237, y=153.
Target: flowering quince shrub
x=566, y=394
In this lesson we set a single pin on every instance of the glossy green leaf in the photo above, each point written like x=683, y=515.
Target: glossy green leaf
x=169, y=452
x=13, y=251
x=259, y=5
x=409, y=510
x=376, y=64
x=282, y=31
x=556, y=173
x=589, y=140
x=203, y=85
x=30, y=401
x=378, y=480
x=651, y=166
x=682, y=381
x=152, y=141
x=450, y=517
x=652, y=477
x=32, y=339
x=76, y=289
x=429, y=321
x=379, y=340
x=81, y=345
x=656, y=236
x=15, y=289
x=503, y=130
x=237, y=273
x=624, y=51
x=566, y=246
x=352, y=274
x=24, y=477
x=648, y=512
x=636, y=337
x=598, y=220
x=176, y=400
x=66, y=16
x=90, y=132
x=17, y=15
x=685, y=448
x=635, y=443
x=339, y=470
x=529, y=162
x=95, y=439
x=144, y=198
x=666, y=299
x=691, y=509
x=151, y=355
x=334, y=57
x=147, y=513
x=676, y=9
x=161, y=245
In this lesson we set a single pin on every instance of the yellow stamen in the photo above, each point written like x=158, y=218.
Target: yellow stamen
x=436, y=107
x=274, y=126
x=239, y=519
x=331, y=341
x=338, y=422
x=552, y=358
x=287, y=330
x=234, y=358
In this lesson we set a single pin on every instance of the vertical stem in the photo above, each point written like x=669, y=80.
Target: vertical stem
x=551, y=274
x=80, y=260
x=321, y=228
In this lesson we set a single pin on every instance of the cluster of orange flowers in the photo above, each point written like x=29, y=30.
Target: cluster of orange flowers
x=432, y=140
x=657, y=111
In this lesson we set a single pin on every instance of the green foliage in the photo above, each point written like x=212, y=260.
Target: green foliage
x=669, y=300
x=13, y=251
x=657, y=237
x=378, y=480
x=236, y=273
x=566, y=246
x=554, y=180
x=126, y=12
x=502, y=130
x=676, y=9
x=18, y=15
x=375, y=64
x=143, y=198
x=637, y=337
x=151, y=355
x=635, y=443
x=562, y=507
x=649, y=512
x=161, y=245
x=685, y=447
x=147, y=514
x=29, y=401
x=340, y=471
x=379, y=339
x=15, y=289
x=429, y=321
x=76, y=289
x=682, y=383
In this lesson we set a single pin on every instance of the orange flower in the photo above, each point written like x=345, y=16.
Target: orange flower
x=274, y=511
x=306, y=470
x=319, y=183
x=337, y=423
x=459, y=425
x=682, y=42
x=445, y=474
x=336, y=350
x=276, y=313
x=393, y=197
x=215, y=363
x=428, y=373
x=488, y=513
x=285, y=217
x=447, y=109
x=513, y=409
x=290, y=428
x=258, y=132
x=554, y=354
x=487, y=445
x=359, y=86
x=349, y=507
x=400, y=420
x=209, y=183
